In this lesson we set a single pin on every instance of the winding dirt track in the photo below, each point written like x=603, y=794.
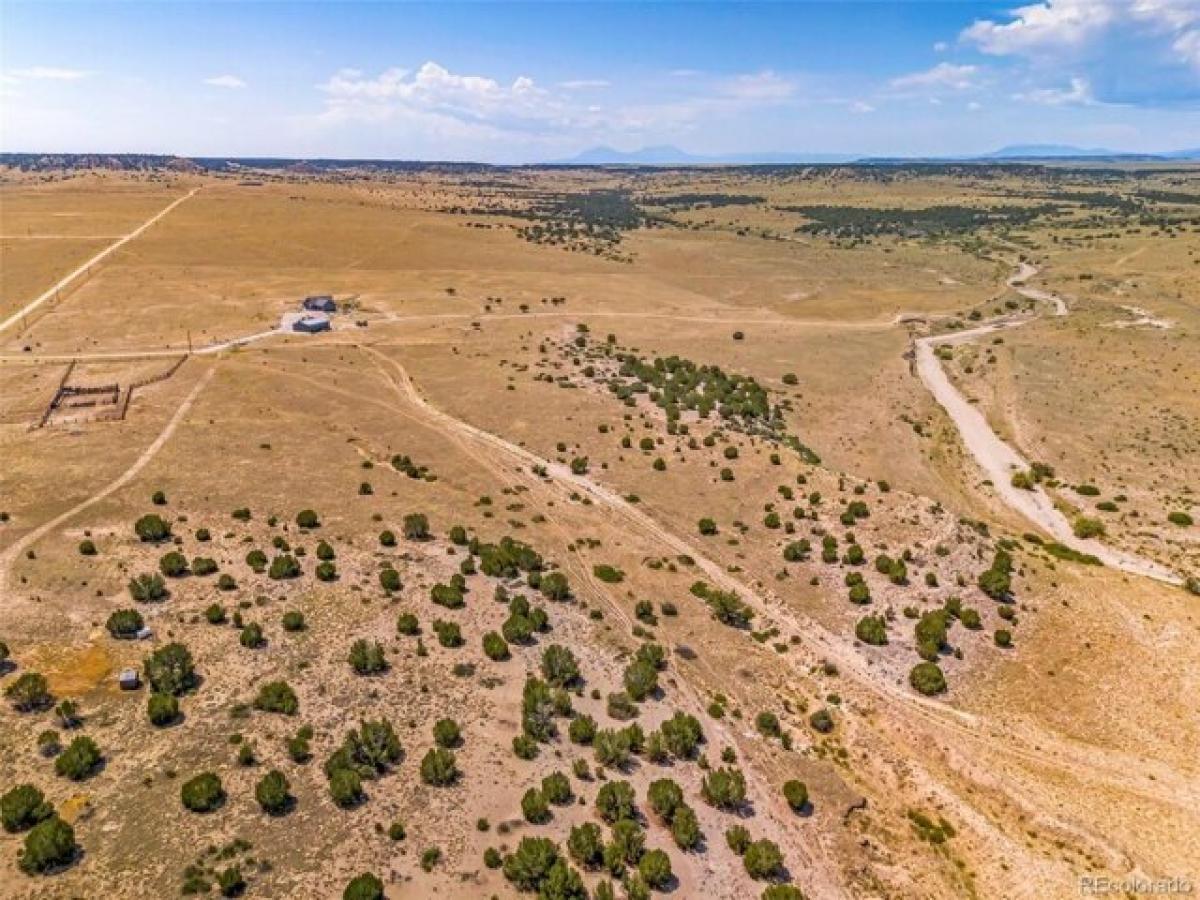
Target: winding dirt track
x=7, y=557
x=66, y=281
x=997, y=459
x=925, y=719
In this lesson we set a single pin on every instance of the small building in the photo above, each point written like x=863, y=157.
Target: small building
x=144, y=633
x=311, y=323
x=128, y=680
x=320, y=303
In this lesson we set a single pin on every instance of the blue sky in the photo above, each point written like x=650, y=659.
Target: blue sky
x=503, y=82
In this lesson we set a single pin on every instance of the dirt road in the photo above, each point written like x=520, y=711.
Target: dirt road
x=66, y=280
x=997, y=459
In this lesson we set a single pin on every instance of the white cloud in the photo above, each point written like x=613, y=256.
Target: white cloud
x=51, y=73
x=580, y=84
x=1043, y=29
x=435, y=88
x=1079, y=93
x=760, y=86
x=943, y=76
x=859, y=106
x=941, y=47
x=225, y=81
x=974, y=107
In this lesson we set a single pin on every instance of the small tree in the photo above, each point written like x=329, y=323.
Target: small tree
x=534, y=807
x=655, y=869
x=685, y=828
x=724, y=788
x=152, y=528
x=495, y=647
x=367, y=658
x=162, y=709
x=364, y=887
x=29, y=693
x=203, y=793
x=308, y=518
x=277, y=697
x=22, y=807
x=439, y=767
x=763, y=860
x=796, y=794
x=529, y=865
x=615, y=801
x=283, y=567
x=559, y=666
x=148, y=588
x=586, y=846
x=272, y=793
x=124, y=624
x=49, y=845
x=416, y=527
x=927, y=678
x=446, y=733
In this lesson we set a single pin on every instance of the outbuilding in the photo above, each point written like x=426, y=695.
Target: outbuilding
x=128, y=680
x=320, y=303
x=311, y=323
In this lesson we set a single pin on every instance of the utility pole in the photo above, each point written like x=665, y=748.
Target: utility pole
x=189, y=342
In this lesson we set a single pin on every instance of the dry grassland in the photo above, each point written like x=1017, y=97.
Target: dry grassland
x=485, y=358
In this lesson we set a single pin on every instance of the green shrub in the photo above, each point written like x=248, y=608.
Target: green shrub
x=124, y=624
x=724, y=788
x=534, y=807
x=147, y=588
x=345, y=787
x=252, y=636
x=707, y=527
x=763, y=860
x=1182, y=519
x=203, y=793
x=796, y=794
x=30, y=692
x=293, y=620
x=664, y=796
x=872, y=630
x=49, y=845
x=162, y=709
x=364, y=887
x=495, y=647
x=585, y=845
x=170, y=670
x=283, y=567
x=277, y=697
x=22, y=807
x=556, y=788
x=367, y=657
x=1003, y=638
x=615, y=801
x=559, y=666
x=446, y=733
x=407, y=624
x=439, y=768
x=530, y=864
x=449, y=635
x=1085, y=527
x=272, y=793
x=389, y=580
x=927, y=678
x=416, y=527
x=152, y=528
x=308, y=518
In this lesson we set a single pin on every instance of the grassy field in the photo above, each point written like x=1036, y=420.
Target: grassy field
x=492, y=369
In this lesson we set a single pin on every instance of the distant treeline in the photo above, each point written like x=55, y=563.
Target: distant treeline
x=692, y=201
x=858, y=221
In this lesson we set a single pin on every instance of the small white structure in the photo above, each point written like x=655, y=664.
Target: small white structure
x=128, y=680
x=312, y=323
x=145, y=633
